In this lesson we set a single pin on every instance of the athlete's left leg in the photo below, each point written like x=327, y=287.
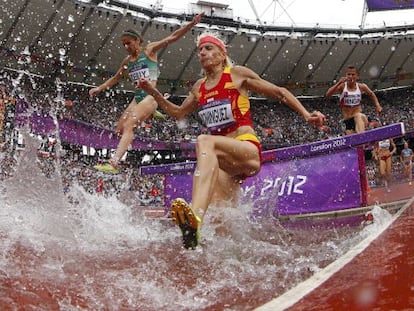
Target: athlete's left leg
x=133, y=116
x=361, y=122
x=214, y=155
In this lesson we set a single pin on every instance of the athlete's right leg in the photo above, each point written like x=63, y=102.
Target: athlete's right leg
x=382, y=167
x=383, y=173
x=388, y=170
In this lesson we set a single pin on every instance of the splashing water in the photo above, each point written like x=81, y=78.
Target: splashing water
x=99, y=254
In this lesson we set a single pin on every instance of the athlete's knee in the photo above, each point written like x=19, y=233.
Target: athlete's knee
x=129, y=125
x=204, y=142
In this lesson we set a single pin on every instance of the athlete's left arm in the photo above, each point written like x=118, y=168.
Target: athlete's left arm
x=365, y=89
x=248, y=80
x=375, y=151
x=402, y=156
x=394, y=147
x=153, y=47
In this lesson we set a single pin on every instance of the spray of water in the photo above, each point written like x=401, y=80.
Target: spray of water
x=94, y=252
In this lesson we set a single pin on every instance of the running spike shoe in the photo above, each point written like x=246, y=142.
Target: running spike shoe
x=106, y=168
x=158, y=115
x=188, y=222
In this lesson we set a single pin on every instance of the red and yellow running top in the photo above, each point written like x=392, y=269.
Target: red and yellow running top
x=222, y=108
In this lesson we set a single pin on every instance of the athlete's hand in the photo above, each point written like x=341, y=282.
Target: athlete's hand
x=343, y=80
x=137, y=84
x=198, y=18
x=145, y=85
x=316, y=119
x=93, y=91
x=379, y=110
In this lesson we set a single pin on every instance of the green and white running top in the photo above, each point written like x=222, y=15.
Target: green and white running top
x=143, y=67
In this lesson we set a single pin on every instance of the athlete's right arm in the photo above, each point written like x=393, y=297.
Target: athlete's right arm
x=336, y=88
x=178, y=112
x=111, y=81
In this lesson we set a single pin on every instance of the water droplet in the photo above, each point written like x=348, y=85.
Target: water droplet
x=62, y=51
x=26, y=51
x=182, y=124
x=310, y=66
x=373, y=71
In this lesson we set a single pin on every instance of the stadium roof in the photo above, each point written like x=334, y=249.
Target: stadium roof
x=80, y=41
x=298, y=13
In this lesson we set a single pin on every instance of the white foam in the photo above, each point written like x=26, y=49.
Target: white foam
x=115, y=257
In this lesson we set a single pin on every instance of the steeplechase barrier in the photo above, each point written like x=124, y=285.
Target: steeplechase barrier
x=322, y=176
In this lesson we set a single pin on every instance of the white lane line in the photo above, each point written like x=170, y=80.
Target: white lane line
x=292, y=296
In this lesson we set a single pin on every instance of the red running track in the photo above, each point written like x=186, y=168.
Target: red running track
x=378, y=277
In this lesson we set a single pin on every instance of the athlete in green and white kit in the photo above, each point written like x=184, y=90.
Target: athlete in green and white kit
x=140, y=62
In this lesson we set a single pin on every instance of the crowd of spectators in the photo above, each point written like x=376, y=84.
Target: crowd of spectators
x=276, y=125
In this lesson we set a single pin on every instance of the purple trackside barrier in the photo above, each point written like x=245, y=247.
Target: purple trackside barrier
x=317, y=177
x=82, y=133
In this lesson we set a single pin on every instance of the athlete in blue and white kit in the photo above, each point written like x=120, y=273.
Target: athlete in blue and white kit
x=406, y=158
x=350, y=100
x=140, y=63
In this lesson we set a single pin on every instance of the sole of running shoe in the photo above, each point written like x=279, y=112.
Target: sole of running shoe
x=158, y=115
x=106, y=168
x=183, y=216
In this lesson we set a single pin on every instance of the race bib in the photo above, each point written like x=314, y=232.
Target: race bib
x=139, y=71
x=351, y=100
x=217, y=114
x=384, y=144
